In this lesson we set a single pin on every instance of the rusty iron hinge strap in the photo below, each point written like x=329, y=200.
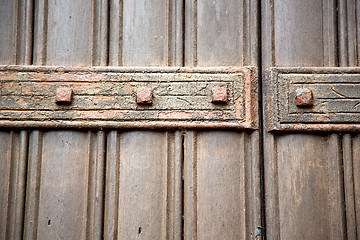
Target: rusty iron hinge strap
x=107, y=97
x=312, y=99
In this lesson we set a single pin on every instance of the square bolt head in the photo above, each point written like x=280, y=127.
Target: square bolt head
x=219, y=95
x=304, y=97
x=143, y=95
x=63, y=95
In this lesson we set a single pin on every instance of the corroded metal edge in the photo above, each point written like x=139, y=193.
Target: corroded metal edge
x=250, y=99
x=271, y=107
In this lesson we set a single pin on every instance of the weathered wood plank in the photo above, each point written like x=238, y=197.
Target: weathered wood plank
x=8, y=28
x=350, y=184
x=146, y=33
x=138, y=197
x=62, y=176
x=95, y=204
x=5, y=165
x=12, y=185
x=310, y=192
x=33, y=185
x=220, y=33
x=290, y=46
x=16, y=31
x=83, y=38
x=356, y=186
x=299, y=177
x=221, y=172
x=222, y=183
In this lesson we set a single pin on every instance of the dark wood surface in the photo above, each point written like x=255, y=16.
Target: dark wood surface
x=173, y=184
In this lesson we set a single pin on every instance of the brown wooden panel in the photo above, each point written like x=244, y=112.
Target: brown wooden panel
x=141, y=191
x=8, y=30
x=13, y=149
x=220, y=170
x=349, y=33
x=5, y=163
x=220, y=33
x=310, y=192
x=66, y=36
x=146, y=33
x=16, y=31
x=353, y=180
x=350, y=147
x=64, y=192
x=303, y=180
x=221, y=185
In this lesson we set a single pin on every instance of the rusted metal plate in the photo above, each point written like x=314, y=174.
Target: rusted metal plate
x=103, y=97
x=313, y=99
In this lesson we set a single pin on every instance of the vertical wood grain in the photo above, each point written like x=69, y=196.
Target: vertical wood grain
x=66, y=36
x=220, y=33
x=349, y=185
x=146, y=33
x=112, y=185
x=5, y=164
x=64, y=188
x=310, y=194
x=356, y=183
x=190, y=186
x=221, y=169
x=13, y=172
x=349, y=26
x=33, y=185
x=348, y=33
x=142, y=185
x=16, y=31
x=221, y=185
x=303, y=184
x=97, y=150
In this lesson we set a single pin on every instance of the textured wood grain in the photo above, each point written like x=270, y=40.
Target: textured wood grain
x=353, y=216
x=16, y=31
x=350, y=162
x=139, y=203
x=64, y=191
x=303, y=180
x=5, y=165
x=221, y=169
x=13, y=169
x=220, y=33
x=219, y=164
x=64, y=35
x=349, y=55
x=310, y=187
x=146, y=33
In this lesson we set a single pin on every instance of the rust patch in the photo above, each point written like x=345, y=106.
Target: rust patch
x=219, y=95
x=106, y=97
x=63, y=95
x=304, y=97
x=144, y=95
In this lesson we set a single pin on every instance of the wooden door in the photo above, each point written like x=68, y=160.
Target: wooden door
x=311, y=162
x=69, y=175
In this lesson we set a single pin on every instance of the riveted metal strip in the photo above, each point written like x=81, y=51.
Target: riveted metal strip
x=108, y=97
x=312, y=99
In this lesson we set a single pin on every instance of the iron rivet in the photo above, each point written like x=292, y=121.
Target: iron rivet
x=143, y=95
x=304, y=97
x=63, y=95
x=219, y=95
